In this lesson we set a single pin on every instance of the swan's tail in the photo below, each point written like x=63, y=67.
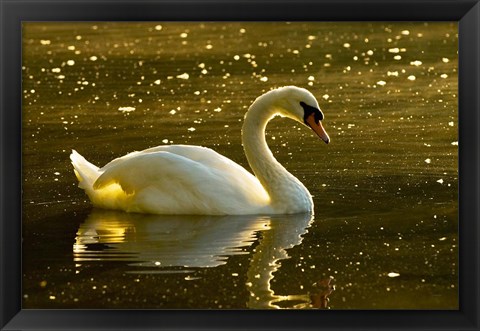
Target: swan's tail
x=86, y=172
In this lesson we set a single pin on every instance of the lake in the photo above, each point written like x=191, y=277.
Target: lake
x=384, y=234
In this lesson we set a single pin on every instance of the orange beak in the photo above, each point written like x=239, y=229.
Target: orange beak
x=318, y=128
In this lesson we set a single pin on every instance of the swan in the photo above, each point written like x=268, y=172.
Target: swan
x=194, y=180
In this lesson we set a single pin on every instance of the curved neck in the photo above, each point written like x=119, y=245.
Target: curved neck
x=286, y=192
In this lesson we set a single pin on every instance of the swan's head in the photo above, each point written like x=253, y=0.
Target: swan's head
x=300, y=105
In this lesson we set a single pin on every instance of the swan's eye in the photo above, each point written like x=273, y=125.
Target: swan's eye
x=308, y=110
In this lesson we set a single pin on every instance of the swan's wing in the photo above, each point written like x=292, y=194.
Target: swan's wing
x=162, y=178
x=199, y=154
x=203, y=155
x=139, y=170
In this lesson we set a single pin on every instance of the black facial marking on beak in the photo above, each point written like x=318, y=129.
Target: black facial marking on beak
x=308, y=110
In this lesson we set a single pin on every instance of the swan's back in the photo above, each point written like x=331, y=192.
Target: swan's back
x=173, y=179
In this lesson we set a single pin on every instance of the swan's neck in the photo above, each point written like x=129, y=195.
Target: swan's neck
x=287, y=193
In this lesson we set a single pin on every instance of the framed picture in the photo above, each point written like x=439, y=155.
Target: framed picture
x=142, y=188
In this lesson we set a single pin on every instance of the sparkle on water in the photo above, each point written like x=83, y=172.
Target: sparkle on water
x=385, y=189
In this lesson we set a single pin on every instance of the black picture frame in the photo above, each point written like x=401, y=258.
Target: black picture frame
x=14, y=12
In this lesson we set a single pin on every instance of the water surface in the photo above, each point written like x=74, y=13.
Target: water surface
x=385, y=188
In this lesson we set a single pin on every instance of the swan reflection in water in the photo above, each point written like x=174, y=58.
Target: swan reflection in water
x=166, y=244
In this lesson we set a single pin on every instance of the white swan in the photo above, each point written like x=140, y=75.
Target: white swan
x=183, y=179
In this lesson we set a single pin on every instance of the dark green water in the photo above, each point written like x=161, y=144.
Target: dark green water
x=385, y=188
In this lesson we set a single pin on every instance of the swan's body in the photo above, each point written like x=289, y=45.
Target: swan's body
x=176, y=179
x=181, y=179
